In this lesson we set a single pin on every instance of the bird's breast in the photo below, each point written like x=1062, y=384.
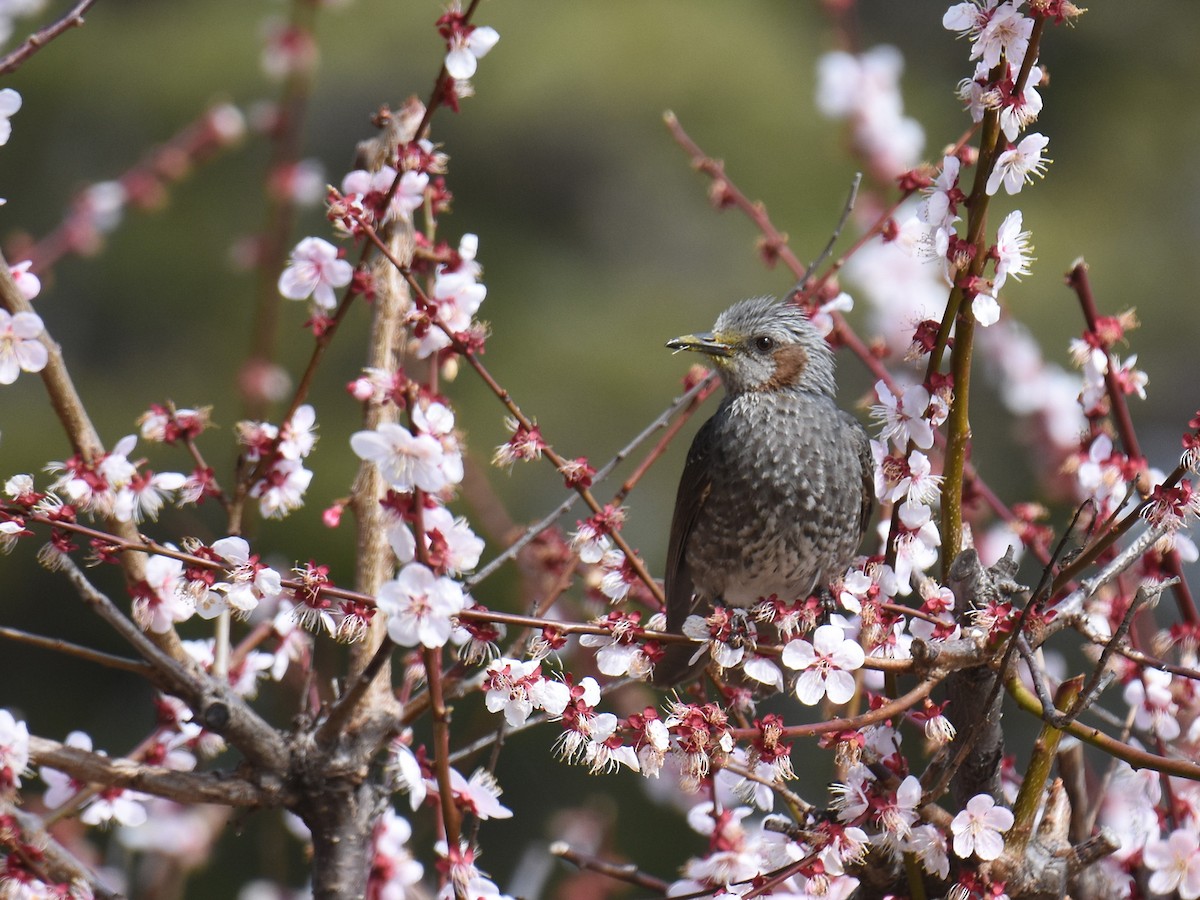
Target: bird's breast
x=783, y=510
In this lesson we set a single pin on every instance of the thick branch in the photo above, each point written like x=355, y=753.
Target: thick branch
x=182, y=787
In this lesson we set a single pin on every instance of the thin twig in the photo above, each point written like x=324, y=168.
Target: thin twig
x=58, y=645
x=847, y=208
x=39, y=39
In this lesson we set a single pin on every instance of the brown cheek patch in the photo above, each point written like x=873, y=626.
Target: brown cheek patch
x=790, y=362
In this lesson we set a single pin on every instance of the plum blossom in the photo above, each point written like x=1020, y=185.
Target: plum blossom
x=518, y=687
x=985, y=308
x=903, y=417
x=1153, y=704
x=163, y=602
x=977, y=828
x=865, y=90
x=825, y=665
x=14, y=750
x=370, y=188
x=458, y=550
x=916, y=543
x=420, y=606
x=20, y=349
x=1016, y=166
x=393, y=869
x=1175, y=863
x=250, y=582
x=480, y=793
x=282, y=490
x=589, y=738
x=465, y=46
x=1012, y=250
x=456, y=296
x=620, y=653
x=27, y=283
x=405, y=460
x=315, y=271
x=10, y=102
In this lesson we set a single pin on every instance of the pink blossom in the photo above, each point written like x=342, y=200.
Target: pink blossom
x=825, y=665
x=370, y=189
x=314, y=270
x=977, y=828
x=20, y=349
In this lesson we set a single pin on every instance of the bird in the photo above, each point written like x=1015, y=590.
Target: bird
x=777, y=489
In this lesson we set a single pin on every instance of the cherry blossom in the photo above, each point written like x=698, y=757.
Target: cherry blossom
x=1016, y=166
x=420, y=606
x=977, y=828
x=825, y=665
x=20, y=349
x=1175, y=863
x=14, y=751
x=315, y=271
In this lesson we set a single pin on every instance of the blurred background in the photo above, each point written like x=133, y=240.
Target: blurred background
x=597, y=241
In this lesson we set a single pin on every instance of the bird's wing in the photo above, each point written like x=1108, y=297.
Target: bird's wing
x=867, y=464
x=694, y=486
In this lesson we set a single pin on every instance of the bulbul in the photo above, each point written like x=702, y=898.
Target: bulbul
x=776, y=492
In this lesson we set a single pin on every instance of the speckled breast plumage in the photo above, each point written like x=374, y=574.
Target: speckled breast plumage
x=783, y=513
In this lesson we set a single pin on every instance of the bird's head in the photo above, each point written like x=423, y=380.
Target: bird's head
x=764, y=345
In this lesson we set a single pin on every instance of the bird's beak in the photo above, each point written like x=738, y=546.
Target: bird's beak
x=705, y=342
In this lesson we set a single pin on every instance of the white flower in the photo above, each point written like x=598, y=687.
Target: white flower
x=314, y=270
x=405, y=460
x=20, y=349
x=986, y=309
x=1012, y=250
x=903, y=417
x=481, y=794
x=1016, y=167
x=977, y=828
x=420, y=606
x=1175, y=863
x=466, y=50
x=14, y=750
x=10, y=102
x=410, y=194
x=165, y=603
x=825, y=665
x=27, y=283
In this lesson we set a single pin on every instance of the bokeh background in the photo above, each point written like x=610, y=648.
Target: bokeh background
x=598, y=244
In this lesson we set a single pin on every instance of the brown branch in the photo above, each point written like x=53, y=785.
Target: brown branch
x=182, y=787
x=1138, y=759
x=86, y=653
x=39, y=39
x=55, y=860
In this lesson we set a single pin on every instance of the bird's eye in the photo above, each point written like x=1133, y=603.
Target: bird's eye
x=764, y=343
